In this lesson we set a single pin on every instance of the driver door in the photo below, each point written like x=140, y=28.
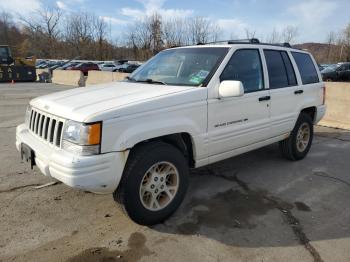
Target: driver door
x=237, y=122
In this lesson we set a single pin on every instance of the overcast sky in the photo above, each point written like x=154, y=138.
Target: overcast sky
x=313, y=18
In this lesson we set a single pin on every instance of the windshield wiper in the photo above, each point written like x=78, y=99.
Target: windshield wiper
x=148, y=80
x=130, y=78
x=151, y=81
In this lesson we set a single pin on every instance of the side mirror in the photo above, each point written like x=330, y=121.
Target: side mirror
x=231, y=88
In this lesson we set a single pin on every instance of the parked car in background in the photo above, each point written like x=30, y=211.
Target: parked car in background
x=40, y=63
x=337, y=72
x=108, y=67
x=321, y=67
x=56, y=65
x=127, y=68
x=86, y=67
x=68, y=65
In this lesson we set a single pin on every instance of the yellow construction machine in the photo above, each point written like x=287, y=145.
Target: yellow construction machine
x=16, y=69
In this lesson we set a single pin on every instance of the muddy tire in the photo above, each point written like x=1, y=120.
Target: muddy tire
x=154, y=183
x=298, y=144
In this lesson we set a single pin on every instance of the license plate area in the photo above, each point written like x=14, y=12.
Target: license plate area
x=28, y=154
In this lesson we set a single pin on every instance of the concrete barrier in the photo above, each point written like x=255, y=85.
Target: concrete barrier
x=117, y=76
x=68, y=77
x=99, y=77
x=338, y=105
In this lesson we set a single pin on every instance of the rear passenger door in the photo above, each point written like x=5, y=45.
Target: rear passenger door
x=284, y=91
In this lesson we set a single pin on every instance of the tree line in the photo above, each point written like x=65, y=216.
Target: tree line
x=50, y=33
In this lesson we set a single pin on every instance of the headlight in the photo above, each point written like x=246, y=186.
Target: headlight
x=27, y=117
x=81, y=138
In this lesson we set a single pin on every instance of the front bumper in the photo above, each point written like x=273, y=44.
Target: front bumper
x=97, y=173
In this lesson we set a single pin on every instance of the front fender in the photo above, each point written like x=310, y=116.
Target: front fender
x=123, y=134
x=144, y=131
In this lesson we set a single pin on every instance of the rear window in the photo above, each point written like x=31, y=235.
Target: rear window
x=280, y=69
x=306, y=68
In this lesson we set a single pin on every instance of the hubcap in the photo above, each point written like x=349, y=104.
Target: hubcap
x=303, y=137
x=159, y=186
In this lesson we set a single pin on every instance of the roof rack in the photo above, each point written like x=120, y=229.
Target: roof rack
x=230, y=42
x=246, y=41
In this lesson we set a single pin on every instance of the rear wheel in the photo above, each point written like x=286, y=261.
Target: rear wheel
x=298, y=144
x=154, y=183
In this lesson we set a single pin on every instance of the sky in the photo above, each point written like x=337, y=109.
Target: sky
x=313, y=18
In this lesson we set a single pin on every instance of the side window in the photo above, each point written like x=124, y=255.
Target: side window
x=245, y=66
x=306, y=68
x=276, y=68
x=345, y=67
x=292, y=81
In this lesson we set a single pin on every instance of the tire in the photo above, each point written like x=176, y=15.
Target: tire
x=135, y=193
x=292, y=148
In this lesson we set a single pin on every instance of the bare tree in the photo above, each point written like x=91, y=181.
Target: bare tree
x=249, y=33
x=330, y=42
x=202, y=30
x=100, y=31
x=140, y=38
x=79, y=33
x=44, y=27
x=174, y=32
x=275, y=37
x=155, y=24
x=5, y=27
x=289, y=33
x=346, y=42
x=49, y=18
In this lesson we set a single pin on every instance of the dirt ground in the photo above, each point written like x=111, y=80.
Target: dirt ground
x=254, y=207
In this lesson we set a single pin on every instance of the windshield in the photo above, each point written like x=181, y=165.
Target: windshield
x=4, y=52
x=181, y=66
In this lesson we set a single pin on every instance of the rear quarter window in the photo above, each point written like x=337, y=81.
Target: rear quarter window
x=306, y=68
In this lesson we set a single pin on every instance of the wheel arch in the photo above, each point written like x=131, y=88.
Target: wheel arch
x=311, y=111
x=182, y=141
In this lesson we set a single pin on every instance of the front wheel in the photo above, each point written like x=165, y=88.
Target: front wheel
x=298, y=144
x=154, y=183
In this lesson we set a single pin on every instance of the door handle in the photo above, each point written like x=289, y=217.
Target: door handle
x=264, y=98
x=297, y=92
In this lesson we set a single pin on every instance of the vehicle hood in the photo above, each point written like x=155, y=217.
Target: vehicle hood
x=92, y=103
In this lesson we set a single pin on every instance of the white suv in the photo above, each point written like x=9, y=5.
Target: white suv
x=185, y=108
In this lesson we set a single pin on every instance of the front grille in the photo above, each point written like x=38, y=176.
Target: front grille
x=46, y=126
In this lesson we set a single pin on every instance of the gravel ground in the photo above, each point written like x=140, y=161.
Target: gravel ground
x=254, y=207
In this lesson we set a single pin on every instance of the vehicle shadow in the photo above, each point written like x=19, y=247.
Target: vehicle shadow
x=260, y=199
